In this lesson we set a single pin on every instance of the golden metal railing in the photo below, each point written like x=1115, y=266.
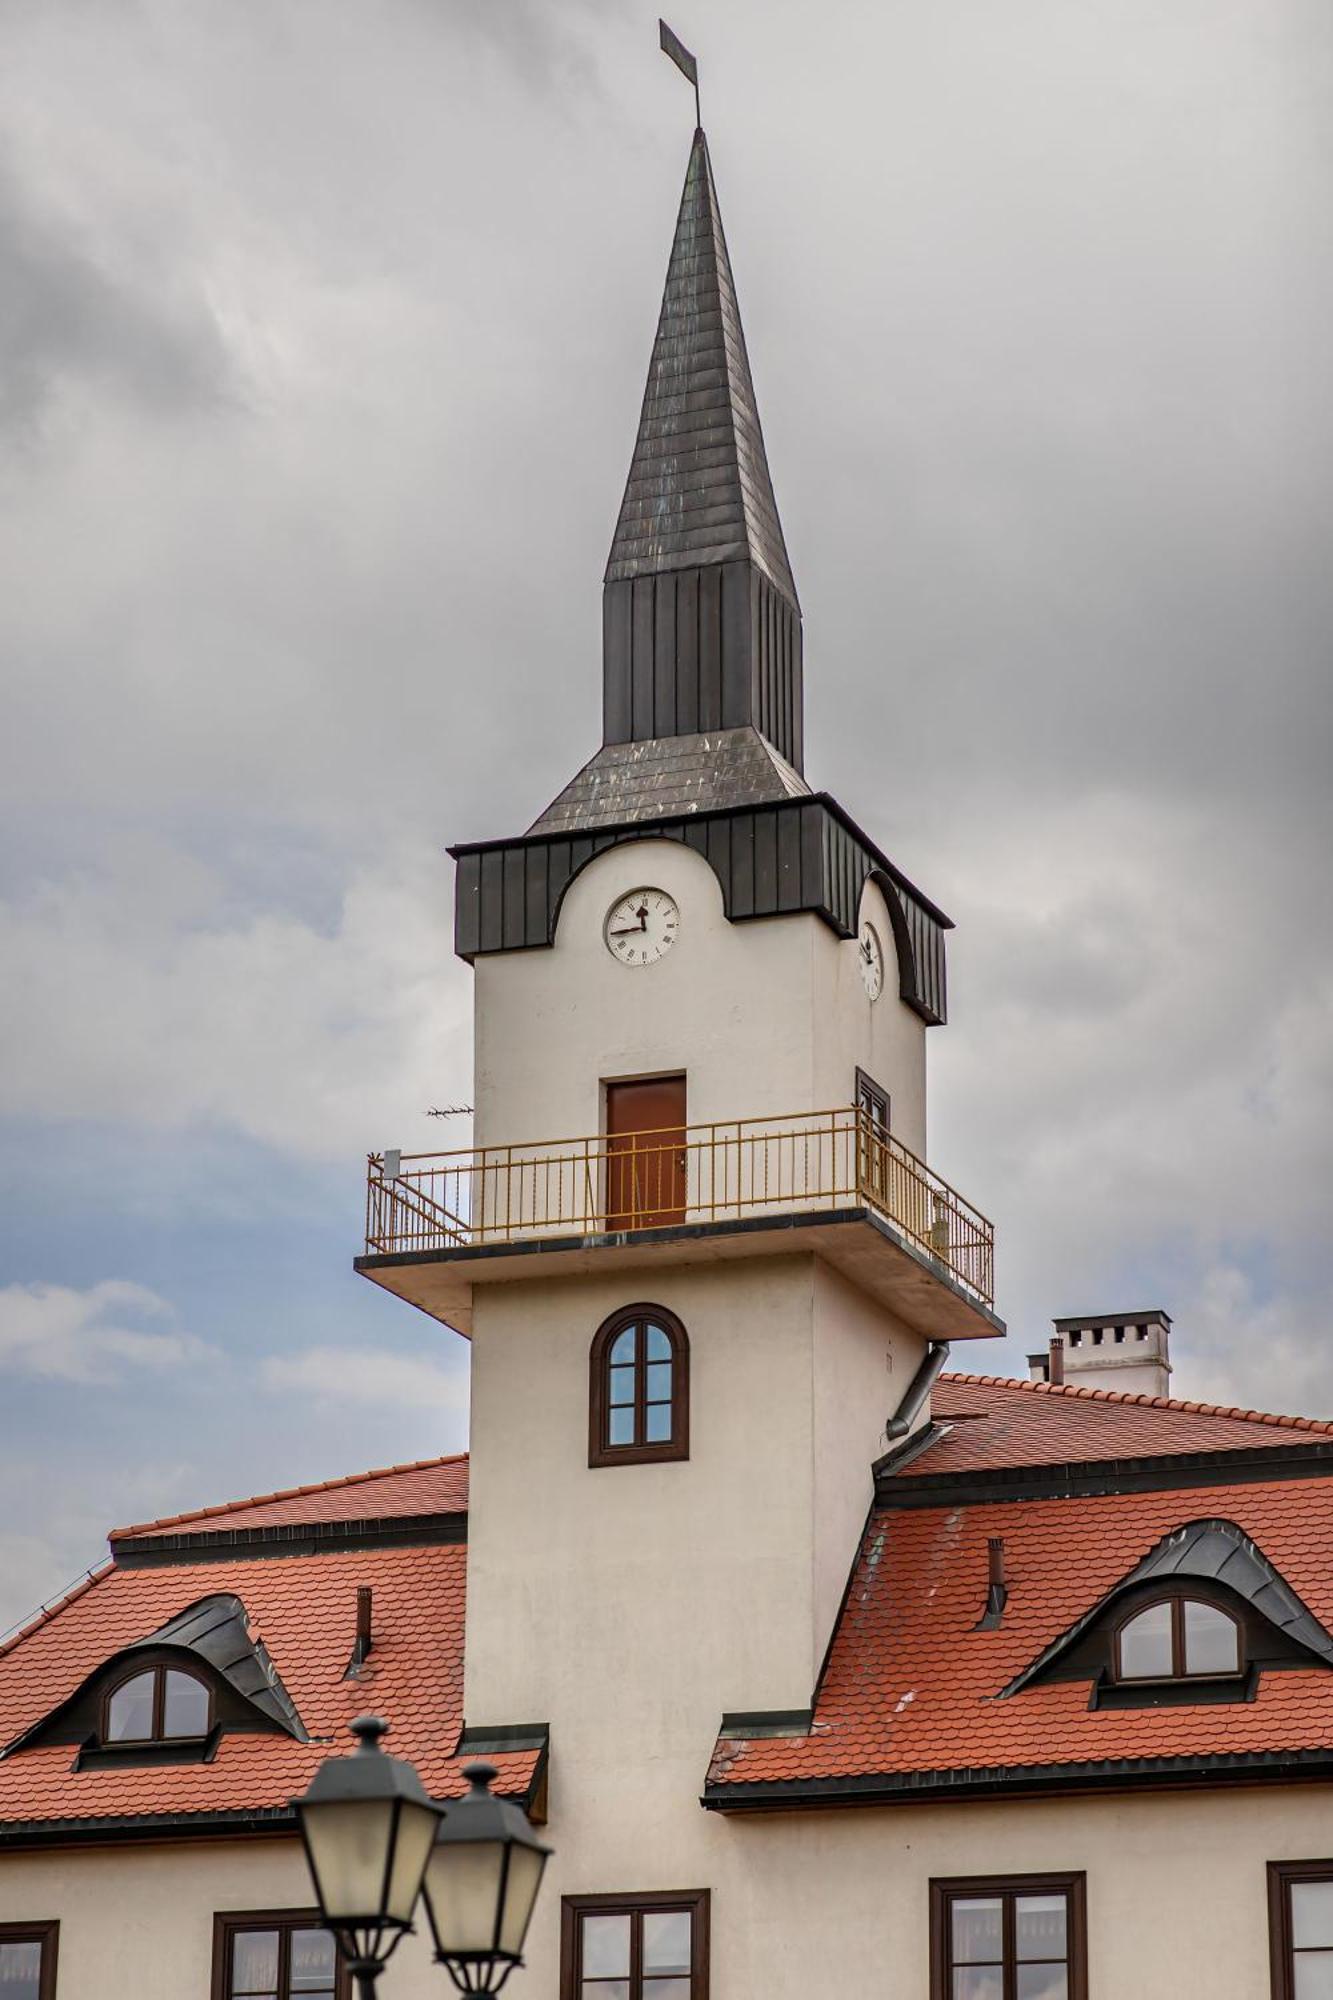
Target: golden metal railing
x=699, y=1173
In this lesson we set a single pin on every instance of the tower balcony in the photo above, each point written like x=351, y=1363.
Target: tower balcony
x=830, y=1183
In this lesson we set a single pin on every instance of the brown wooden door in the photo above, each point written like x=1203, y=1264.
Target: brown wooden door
x=645, y=1149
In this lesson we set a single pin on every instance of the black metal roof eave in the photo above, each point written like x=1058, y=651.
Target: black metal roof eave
x=641, y=829
x=1001, y=1781
x=991, y=1485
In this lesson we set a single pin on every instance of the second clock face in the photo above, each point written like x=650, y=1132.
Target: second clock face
x=871, y=955
x=641, y=928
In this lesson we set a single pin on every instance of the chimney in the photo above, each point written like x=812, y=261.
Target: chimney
x=1127, y=1351
x=1050, y=1366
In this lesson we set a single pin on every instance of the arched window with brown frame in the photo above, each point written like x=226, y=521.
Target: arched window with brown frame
x=1177, y=1637
x=639, y=1396
x=156, y=1704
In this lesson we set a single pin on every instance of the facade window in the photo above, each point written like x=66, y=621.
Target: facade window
x=1177, y=1638
x=639, y=1401
x=1014, y=1937
x=1300, y=1926
x=157, y=1705
x=647, y=1947
x=28, y=1961
x=275, y=1955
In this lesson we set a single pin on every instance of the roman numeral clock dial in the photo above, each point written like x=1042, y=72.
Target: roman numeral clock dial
x=641, y=928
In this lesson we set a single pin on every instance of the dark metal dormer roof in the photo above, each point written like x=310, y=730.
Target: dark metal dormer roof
x=1209, y=1552
x=699, y=488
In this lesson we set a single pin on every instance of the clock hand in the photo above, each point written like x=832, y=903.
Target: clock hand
x=632, y=930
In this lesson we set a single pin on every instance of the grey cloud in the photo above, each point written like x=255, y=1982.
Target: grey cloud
x=63, y=318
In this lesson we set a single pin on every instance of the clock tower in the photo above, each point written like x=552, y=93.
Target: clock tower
x=705, y=1269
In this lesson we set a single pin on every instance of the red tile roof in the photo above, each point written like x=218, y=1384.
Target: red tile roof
x=911, y=1686
x=394, y=1492
x=996, y=1421
x=303, y=1608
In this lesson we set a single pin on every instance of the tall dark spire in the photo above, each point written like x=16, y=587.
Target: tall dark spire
x=699, y=488
x=701, y=628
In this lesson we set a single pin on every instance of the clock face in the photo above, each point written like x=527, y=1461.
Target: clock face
x=870, y=954
x=641, y=928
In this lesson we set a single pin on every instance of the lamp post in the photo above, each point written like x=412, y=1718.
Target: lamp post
x=368, y=1825
x=481, y=1885
x=373, y=1837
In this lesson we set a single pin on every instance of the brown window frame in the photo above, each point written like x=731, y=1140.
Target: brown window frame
x=946, y=1889
x=46, y=1933
x=1177, y=1599
x=1281, y=1876
x=159, y=1668
x=226, y=1925
x=633, y=1903
x=600, y=1449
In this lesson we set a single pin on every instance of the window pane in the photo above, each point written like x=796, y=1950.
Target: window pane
x=1042, y=1982
x=978, y=1982
x=977, y=1929
x=1212, y=1640
x=622, y=1347
x=21, y=1970
x=1312, y=1913
x=659, y=1382
x=621, y=1430
x=622, y=1385
x=606, y=1948
x=1145, y=1644
x=130, y=1711
x=254, y=1963
x=313, y=1962
x=659, y=1347
x=1313, y=1975
x=666, y=1940
x=1040, y=1927
x=184, y=1706
x=666, y=1989
x=605, y=1989
x=657, y=1424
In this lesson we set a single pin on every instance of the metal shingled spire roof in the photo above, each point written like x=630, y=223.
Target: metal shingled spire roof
x=699, y=489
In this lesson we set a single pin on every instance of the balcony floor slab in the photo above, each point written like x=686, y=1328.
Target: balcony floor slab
x=858, y=1242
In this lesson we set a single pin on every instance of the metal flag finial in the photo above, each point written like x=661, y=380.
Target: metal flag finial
x=672, y=45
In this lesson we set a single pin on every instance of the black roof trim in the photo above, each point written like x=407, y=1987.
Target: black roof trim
x=750, y=1724
x=497, y=1738
x=310, y=1538
x=635, y=829
x=1121, y=1774
x=1093, y=1476
x=138, y=1827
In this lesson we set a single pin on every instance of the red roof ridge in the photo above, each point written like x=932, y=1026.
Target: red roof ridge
x=286, y=1493
x=55, y=1605
x=1124, y=1396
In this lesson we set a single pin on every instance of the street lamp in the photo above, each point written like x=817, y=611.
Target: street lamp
x=368, y=1825
x=481, y=1885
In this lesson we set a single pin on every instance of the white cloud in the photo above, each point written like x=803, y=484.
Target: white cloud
x=91, y=1335
x=368, y=1377
x=320, y=1042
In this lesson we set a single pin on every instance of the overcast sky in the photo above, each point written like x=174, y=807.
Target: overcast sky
x=323, y=329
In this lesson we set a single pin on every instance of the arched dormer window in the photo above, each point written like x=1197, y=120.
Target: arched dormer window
x=1177, y=1638
x=158, y=1704
x=639, y=1401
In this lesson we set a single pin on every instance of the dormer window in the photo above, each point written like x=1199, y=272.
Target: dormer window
x=1177, y=1638
x=639, y=1406
x=157, y=1705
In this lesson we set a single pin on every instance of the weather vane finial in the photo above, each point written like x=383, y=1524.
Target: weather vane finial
x=673, y=46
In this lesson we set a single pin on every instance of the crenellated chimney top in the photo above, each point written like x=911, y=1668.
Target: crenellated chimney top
x=1127, y=1351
